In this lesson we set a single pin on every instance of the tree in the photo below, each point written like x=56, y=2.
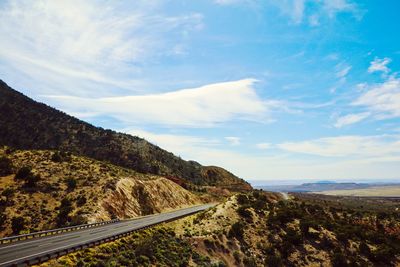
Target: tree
x=17, y=224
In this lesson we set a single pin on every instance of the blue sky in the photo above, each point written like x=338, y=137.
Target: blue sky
x=271, y=90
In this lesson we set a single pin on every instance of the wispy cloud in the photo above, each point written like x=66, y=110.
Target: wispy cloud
x=81, y=42
x=233, y=140
x=178, y=144
x=263, y=146
x=199, y=107
x=379, y=65
x=383, y=99
x=343, y=71
x=210, y=152
x=347, y=146
x=313, y=11
x=351, y=119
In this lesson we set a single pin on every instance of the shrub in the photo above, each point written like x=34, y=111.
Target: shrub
x=6, y=166
x=237, y=230
x=274, y=260
x=249, y=262
x=3, y=219
x=32, y=180
x=23, y=173
x=242, y=199
x=60, y=156
x=81, y=200
x=237, y=256
x=244, y=212
x=17, y=224
x=8, y=192
x=71, y=183
x=64, y=211
x=364, y=249
x=339, y=259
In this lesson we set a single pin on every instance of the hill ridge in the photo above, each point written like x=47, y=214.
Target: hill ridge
x=28, y=124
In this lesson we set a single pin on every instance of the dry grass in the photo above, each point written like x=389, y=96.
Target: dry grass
x=378, y=191
x=100, y=183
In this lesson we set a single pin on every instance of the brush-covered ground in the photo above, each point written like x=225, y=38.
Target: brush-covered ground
x=375, y=191
x=42, y=189
x=259, y=229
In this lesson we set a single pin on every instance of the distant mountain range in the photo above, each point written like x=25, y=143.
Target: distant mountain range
x=27, y=124
x=317, y=186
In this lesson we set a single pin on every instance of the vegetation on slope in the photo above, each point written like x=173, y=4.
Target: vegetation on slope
x=158, y=246
x=43, y=189
x=261, y=229
x=26, y=124
x=258, y=230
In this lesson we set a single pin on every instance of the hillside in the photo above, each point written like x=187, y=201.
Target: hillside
x=26, y=124
x=49, y=189
x=260, y=229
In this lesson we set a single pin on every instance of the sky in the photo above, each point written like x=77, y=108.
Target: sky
x=271, y=90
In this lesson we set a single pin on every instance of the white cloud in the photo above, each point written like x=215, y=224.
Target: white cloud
x=335, y=6
x=312, y=11
x=350, y=119
x=233, y=140
x=263, y=146
x=383, y=100
x=379, y=65
x=314, y=20
x=227, y=2
x=343, y=71
x=347, y=146
x=200, y=107
x=178, y=144
x=86, y=44
x=208, y=152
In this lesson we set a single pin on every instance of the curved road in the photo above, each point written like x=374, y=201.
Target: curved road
x=22, y=251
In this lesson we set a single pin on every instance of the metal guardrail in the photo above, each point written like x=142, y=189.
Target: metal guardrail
x=53, y=231
x=42, y=257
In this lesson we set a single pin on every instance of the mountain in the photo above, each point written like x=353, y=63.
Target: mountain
x=315, y=187
x=49, y=189
x=27, y=124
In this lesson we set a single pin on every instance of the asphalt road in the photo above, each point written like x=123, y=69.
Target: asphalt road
x=34, y=248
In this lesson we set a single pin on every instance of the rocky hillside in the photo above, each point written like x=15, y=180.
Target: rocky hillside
x=26, y=124
x=42, y=189
x=262, y=229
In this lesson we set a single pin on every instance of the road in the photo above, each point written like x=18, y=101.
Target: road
x=22, y=251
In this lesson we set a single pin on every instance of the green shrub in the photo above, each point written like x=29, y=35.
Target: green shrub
x=17, y=224
x=249, y=262
x=244, y=212
x=274, y=260
x=64, y=210
x=23, y=173
x=71, y=183
x=237, y=230
x=237, y=256
x=6, y=166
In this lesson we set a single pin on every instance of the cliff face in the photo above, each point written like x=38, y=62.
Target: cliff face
x=26, y=124
x=132, y=198
x=62, y=189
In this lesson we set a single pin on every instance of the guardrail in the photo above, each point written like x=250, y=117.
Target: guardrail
x=42, y=257
x=53, y=231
